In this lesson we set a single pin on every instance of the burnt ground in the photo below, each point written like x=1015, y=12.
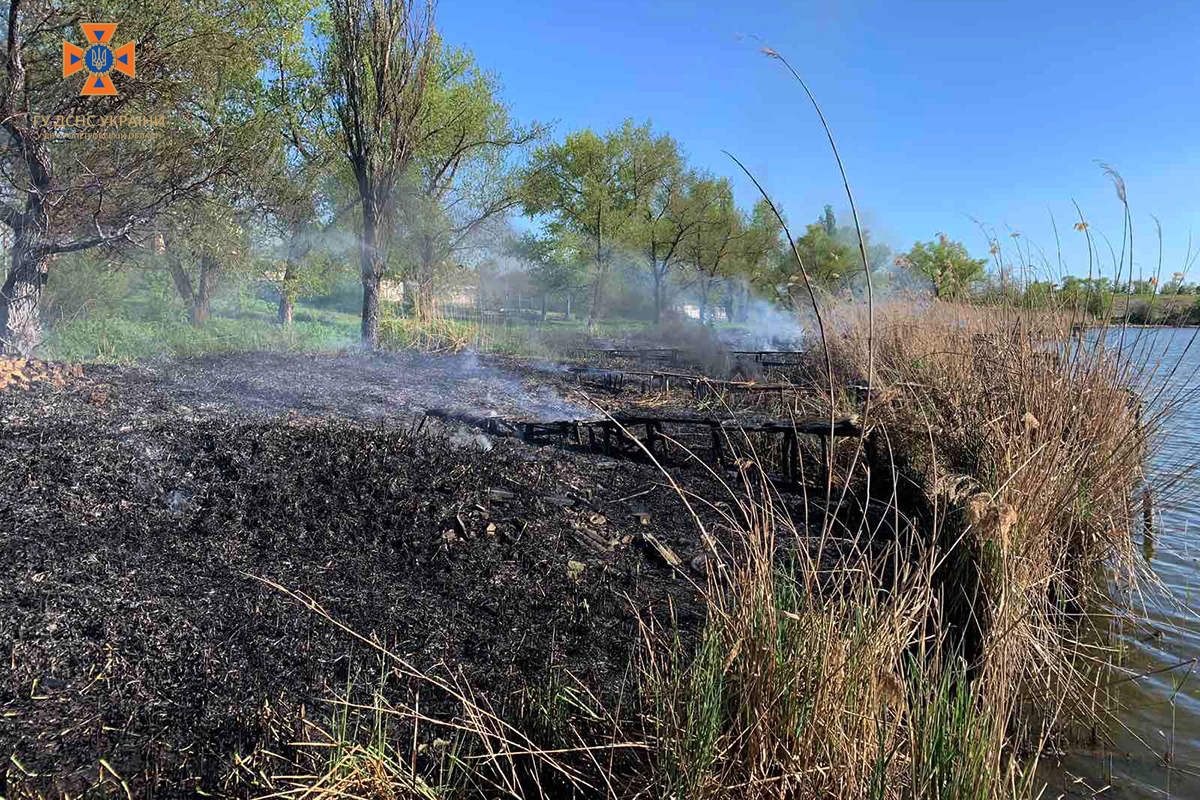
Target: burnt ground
x=137, y=507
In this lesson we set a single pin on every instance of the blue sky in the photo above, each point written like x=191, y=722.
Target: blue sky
x=943, y=111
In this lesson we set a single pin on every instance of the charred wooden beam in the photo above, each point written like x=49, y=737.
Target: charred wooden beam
x=608, y=378
x=491, y=424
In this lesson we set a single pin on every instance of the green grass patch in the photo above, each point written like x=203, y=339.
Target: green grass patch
x=236, y=327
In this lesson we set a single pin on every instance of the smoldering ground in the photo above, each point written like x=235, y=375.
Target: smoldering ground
x=398, y=386
x=137, y=507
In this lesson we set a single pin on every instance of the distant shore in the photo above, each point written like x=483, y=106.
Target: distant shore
x=1140, y=325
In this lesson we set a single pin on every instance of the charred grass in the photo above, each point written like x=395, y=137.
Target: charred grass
x=137, y=635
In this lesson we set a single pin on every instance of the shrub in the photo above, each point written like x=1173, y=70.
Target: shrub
x=1139, y=313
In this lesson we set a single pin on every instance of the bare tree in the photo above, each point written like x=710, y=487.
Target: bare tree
x=377, y=68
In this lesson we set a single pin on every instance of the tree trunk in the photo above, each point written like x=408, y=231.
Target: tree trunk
x=427, y=277
x=594, y=313
x=658, y=297
x=297, y=249
x=197, y=298
x=430, y=301
x=567, y=315
x=202, y=305
x=370, y=264
x=198, y=314
x=595, y=309
x=370, y=313
x=183, y=284
x=20, y=322
x=543, y=307
x=287, y=302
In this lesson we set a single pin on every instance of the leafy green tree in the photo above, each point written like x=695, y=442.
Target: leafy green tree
x=829, y=222
x=1093, y=295
x=879, y=258
x=759, y=254
x=311, y=229
x=465, y=172
x=554, y=269
x=669, y=210
x=213, y=246
x=310, y=189
x=831, y=256
x=826, y=259
x=676, y=208
x=946, y=264
x=1039, y=294
x=575, y=188
x=1141, y=287
x=713, y=247
x=70, y=196
x=207, y=237
x=591, y=189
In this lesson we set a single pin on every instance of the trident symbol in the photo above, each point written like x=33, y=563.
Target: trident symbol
x=99, y=62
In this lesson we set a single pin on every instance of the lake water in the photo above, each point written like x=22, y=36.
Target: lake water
x=1156, y=747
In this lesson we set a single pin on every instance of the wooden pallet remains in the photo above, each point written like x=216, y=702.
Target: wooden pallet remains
x=618, y=435
x=677, y=355
x=701, y=386
x=773, y=358
x=644, y=355
x=612, y=379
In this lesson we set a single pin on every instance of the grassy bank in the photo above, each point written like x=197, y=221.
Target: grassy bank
x=243, y=323
x=1167, y=310
x=237, y=324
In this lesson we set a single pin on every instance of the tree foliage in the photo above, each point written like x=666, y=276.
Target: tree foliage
x=946, y=264
x=465, y=171
x=78, y=194
x=714, y=248
x=593, y=190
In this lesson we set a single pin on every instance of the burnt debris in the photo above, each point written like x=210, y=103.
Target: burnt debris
x=617, y=435
x=140, y=507
x=133, y=628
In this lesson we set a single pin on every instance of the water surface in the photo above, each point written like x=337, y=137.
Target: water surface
x=1155, y=752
